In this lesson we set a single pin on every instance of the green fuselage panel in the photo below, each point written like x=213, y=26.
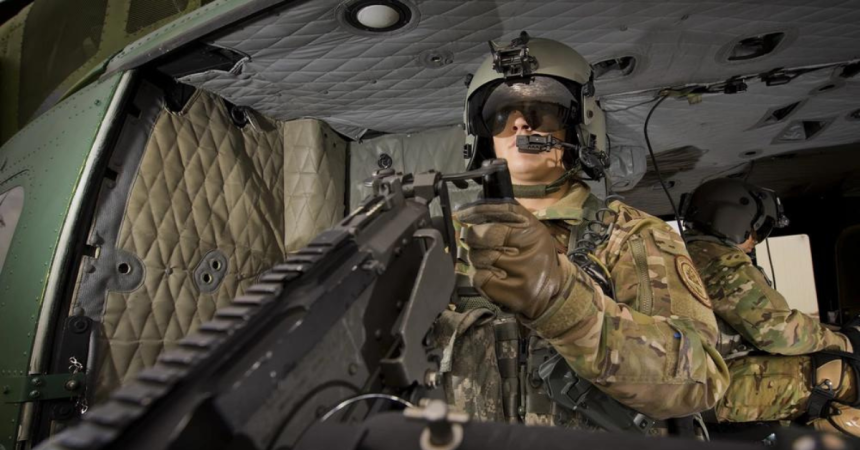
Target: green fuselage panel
x=47, y=158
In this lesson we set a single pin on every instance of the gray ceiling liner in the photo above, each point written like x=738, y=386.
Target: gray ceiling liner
x=304, y=63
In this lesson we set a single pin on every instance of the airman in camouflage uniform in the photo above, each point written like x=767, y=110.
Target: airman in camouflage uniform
x=652, y=347
x=744, y=299
x=775, y=381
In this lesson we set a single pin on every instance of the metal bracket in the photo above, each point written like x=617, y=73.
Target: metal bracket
x=210, y=272
x=74, y=351
x=32, y=388
x=436, y=275
x=514, y=60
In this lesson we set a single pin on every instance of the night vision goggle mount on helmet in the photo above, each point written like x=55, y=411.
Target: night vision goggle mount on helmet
x=733, y=210
x=514, y=60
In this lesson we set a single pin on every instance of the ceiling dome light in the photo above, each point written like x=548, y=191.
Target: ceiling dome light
x=375, y=17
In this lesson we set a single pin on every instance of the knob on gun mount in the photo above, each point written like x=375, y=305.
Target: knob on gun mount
x=497, y=180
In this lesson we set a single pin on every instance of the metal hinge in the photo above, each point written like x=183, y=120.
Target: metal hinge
x=34, y=388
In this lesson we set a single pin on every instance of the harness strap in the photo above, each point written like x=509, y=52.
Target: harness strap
x=567, y=389
x=507, y=336
x=542, y=190
x=589, y=213
x=538, y=402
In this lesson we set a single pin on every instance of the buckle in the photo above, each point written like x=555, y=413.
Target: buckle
x=820, y=399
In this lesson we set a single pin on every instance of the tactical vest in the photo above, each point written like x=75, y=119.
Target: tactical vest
x=508, y=373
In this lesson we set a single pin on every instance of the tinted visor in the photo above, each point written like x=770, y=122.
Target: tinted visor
x=546, y=104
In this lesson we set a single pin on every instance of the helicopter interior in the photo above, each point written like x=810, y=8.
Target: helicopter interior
x=238, y=147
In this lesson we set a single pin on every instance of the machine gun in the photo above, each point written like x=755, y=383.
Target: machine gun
x=341, y=321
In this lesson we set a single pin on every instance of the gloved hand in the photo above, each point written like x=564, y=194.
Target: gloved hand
x=513, y=257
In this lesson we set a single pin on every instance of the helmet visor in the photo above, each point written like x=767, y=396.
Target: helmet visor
x=546, y=104
x=763, y=232
x=771, y=216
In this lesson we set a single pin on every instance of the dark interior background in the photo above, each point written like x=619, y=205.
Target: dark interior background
x=832, y=223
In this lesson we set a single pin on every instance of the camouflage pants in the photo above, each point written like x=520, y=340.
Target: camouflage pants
x=773, y=388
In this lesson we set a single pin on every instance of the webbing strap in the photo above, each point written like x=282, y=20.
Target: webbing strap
x=819, y=401
x=541, y=190
x=507, y=355
x=465, y=304
x=589, y=213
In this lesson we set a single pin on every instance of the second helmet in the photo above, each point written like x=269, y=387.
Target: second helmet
x=733, y=209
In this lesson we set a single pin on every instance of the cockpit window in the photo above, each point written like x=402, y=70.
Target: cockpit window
x=11, y=205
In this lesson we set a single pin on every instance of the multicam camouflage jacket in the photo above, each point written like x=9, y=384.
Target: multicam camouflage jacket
x=651, y=348
x=774, y=383
x=744, y=300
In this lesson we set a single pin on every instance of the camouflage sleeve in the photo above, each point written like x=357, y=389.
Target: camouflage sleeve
x=745, y=300
x=659, y=366
x=653, y=274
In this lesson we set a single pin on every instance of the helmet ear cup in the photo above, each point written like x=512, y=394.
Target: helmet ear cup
x=482, y=149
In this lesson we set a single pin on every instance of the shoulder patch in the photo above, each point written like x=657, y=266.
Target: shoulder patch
x=690, y=278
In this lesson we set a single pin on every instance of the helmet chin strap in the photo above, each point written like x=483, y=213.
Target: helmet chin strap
x=543, y=190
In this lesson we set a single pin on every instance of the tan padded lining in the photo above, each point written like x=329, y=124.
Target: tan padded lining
x=204, y=184
x=314, y=181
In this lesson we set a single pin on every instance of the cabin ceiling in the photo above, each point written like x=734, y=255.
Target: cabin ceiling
x=301, y=61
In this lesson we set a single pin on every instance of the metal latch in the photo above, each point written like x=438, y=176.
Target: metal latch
x=33, y=388
x=444, y=430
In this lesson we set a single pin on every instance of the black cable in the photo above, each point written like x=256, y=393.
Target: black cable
x=363, y=397
x=770, y=260
x=657, y=169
